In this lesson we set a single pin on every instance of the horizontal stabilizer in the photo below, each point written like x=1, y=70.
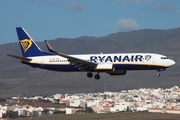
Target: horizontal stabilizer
x=20, y=58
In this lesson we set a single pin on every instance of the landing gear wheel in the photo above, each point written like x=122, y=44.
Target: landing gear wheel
x=158, y=74
x=97, y=77
x=90, y=75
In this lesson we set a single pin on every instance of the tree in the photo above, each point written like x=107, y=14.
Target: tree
x=89, y=110
x=11, y=114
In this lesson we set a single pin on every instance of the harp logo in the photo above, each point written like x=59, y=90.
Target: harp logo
x=147, y=57
x=26, y=44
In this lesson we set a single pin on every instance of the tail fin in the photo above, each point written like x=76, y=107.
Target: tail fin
x=28, y=47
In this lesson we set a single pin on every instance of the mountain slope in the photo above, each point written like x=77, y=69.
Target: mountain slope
x=16, y=78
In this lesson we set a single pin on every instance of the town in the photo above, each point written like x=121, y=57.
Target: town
x=144, y=99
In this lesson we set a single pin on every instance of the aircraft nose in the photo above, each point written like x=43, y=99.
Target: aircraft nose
x=171, y=62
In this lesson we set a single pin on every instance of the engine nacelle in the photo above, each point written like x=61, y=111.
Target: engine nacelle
x=119, y=72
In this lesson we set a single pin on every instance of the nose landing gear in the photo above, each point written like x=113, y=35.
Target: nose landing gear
x=158, y=74
x=162, y=69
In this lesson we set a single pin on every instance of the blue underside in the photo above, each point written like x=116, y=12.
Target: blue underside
x=116, y=66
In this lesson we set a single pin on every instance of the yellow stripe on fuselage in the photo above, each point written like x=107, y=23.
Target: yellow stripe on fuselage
x=137, y=63
x=123, y=63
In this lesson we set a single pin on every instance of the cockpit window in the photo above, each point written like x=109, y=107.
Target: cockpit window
x=164, y=58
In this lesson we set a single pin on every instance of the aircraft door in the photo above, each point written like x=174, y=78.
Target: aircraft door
x=154, y=59
x=42, y=62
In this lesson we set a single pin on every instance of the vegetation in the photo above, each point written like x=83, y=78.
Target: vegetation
x=2, y=100
x=11, y=115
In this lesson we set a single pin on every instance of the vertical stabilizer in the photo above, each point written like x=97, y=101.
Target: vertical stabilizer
x=28, y=47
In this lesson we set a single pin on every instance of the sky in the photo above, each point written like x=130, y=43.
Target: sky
x=51, y=19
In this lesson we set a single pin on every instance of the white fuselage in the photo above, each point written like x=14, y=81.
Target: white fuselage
x=125, y=61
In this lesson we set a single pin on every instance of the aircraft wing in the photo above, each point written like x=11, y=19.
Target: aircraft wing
x=87, y=65
x=20, y=58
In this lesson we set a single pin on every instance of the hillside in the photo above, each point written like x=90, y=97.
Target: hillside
x=16, y=78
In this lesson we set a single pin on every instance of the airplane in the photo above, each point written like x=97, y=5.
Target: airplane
x=113, y=64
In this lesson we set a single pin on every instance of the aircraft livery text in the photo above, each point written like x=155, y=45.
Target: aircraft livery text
x=126, y=58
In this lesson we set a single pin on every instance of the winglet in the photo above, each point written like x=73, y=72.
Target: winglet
x=53, y=51
x=49, y=46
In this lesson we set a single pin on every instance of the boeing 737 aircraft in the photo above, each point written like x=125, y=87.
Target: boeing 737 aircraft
x=113, y=64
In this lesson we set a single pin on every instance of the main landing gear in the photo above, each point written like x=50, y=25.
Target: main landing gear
x=90, y=75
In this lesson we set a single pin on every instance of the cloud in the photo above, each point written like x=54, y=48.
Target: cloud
x=126, y=24
x=75, y=6
x=165, y=8
x=42, y=3
x=134, y=1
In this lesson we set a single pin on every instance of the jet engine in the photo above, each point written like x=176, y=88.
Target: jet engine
x=118, y=72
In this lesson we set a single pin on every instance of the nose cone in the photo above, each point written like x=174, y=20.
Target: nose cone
x=171, y=62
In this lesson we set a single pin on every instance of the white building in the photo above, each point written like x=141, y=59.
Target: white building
x=77, y=103
x=119, y=107
x=70, y=111
x=93, y=102
x=57, y=96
